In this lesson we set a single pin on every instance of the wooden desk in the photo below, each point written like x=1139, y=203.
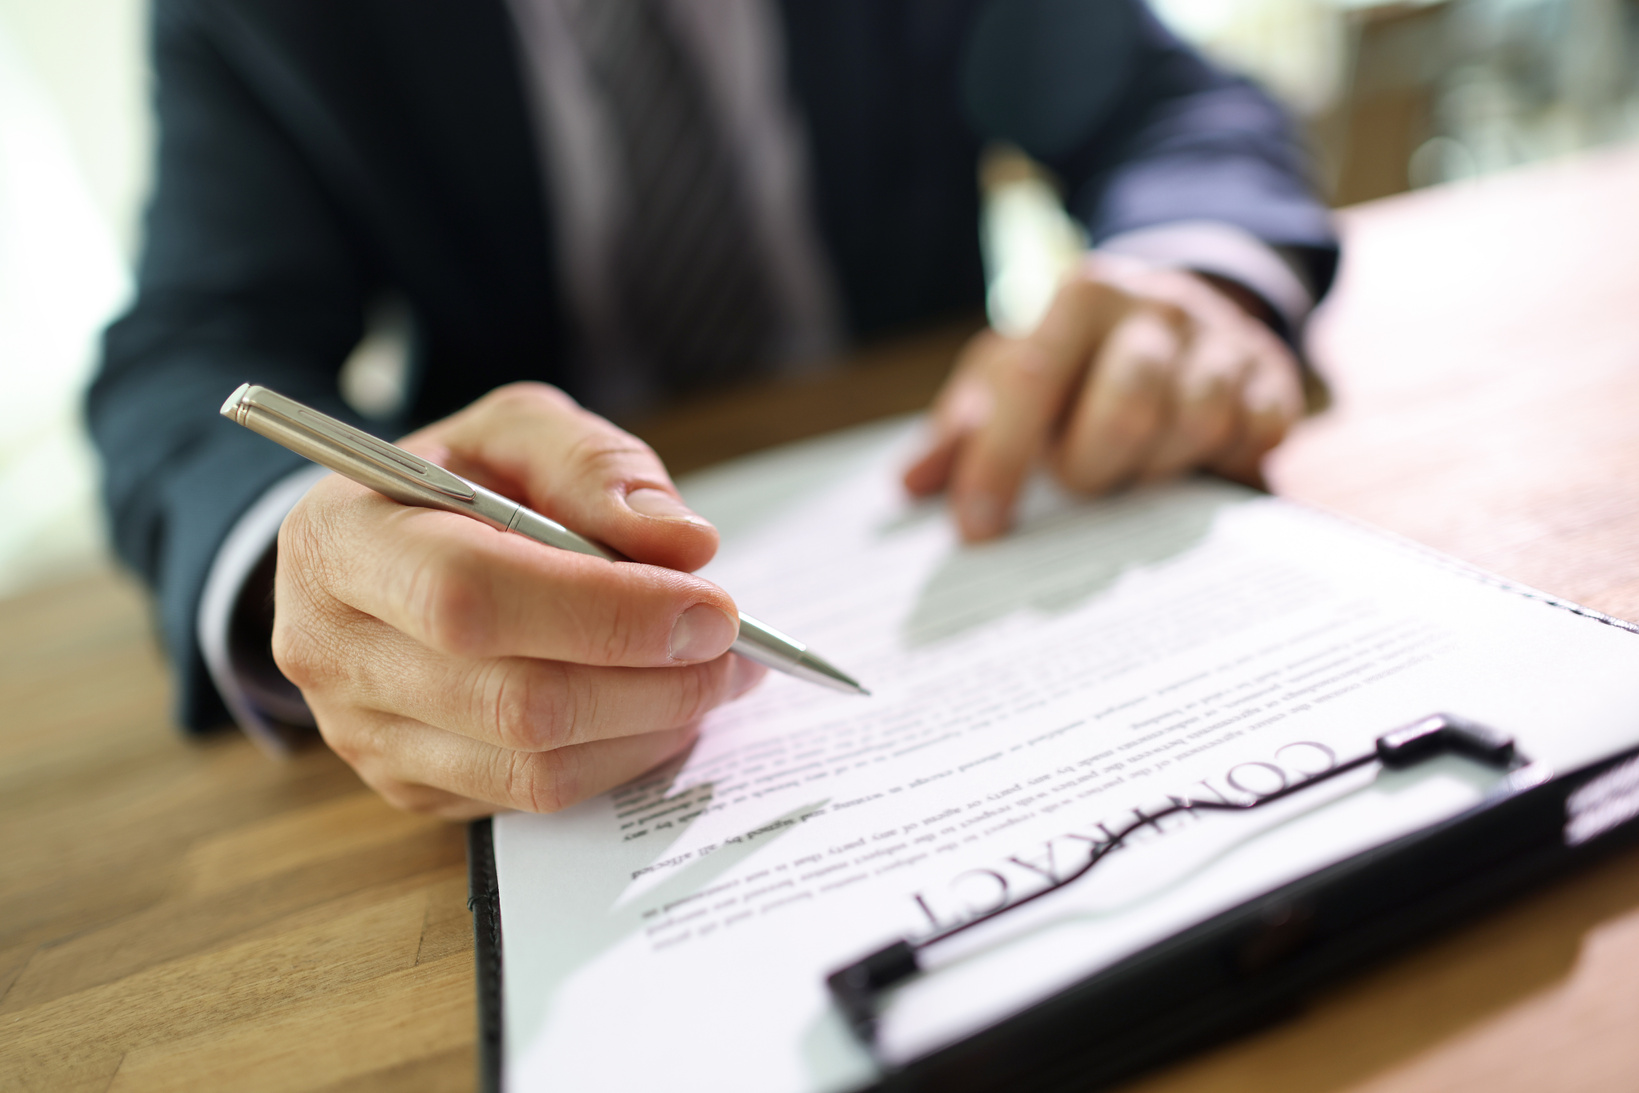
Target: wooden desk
x=179, y=914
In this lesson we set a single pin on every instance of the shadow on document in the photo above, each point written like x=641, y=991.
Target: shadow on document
x=1062, y=554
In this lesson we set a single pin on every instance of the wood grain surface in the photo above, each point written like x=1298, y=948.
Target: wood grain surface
x=183, y=914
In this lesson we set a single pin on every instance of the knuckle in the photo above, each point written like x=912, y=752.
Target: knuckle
x=608, y=455
x=526, y=396
x=299, y=657
x=363, y=744
x=301, y=650
x=448, y=601
x=354, y=742
x=579, y=707
x=307, y=617
x=531, y=705
x=346, y=745
x=540, y=782
x=298, y=527
x=303, y=557
x=611, y=625
x=699, y=689
x=1150, y=341
x=506, y=695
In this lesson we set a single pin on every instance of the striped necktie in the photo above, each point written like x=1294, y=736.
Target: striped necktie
x=692, y=294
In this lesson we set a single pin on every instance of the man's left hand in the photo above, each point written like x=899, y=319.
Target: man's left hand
x=1135, y=373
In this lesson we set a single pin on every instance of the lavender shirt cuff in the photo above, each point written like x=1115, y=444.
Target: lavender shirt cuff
x=1224, y=250
x=262, y=702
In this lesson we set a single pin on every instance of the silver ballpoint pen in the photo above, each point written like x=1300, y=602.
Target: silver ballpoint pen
x=407, y=478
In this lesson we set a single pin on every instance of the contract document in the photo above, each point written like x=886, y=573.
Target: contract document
x=1029, y=696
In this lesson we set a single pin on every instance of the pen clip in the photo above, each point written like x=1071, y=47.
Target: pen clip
x=390, y=456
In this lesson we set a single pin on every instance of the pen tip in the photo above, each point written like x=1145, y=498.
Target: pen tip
x=822, y=671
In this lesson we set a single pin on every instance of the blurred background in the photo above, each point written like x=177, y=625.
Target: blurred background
x=1394, y=95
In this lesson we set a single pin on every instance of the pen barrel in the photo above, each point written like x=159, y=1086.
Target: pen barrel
x=532, y=525
x=762, y=643
x=389, y=469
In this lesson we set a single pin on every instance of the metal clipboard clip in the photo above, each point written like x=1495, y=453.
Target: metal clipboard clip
x=858, y=988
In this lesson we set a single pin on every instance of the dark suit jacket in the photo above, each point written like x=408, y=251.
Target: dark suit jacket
x=313, y=153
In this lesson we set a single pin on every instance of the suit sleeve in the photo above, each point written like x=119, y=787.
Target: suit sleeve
x=247, y=274
x=1142, y=131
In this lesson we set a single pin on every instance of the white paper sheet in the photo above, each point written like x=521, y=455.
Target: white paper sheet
x=1193, y=638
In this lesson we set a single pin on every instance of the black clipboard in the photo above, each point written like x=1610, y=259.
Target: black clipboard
x=1240, y=969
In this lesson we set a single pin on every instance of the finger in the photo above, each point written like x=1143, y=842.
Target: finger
x=1205, y=401
x=1030, y=380
x=467, y=590
x=521, y=703
x=1125, y=405
x=582, y=471
x=395, y=756
x=1271, y=402
x=930, y=471
x=532, y=705
x=963, y=406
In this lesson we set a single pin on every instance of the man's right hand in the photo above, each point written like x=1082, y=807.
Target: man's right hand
x=460, y=669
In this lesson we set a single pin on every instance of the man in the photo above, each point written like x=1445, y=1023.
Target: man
x=630, y=199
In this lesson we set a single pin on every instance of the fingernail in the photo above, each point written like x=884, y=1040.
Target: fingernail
x=747, y=674
x=661, y=505
x=701, y=633
x=981, y=515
